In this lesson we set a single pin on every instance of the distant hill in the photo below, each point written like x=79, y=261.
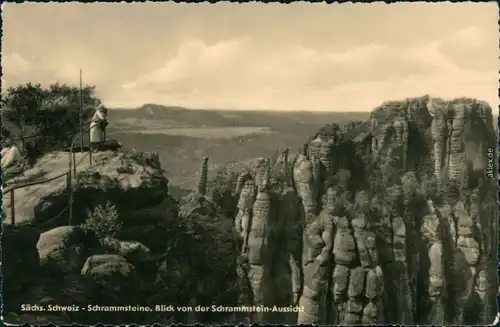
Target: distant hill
x=179, y=116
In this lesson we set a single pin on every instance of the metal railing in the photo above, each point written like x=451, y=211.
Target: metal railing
x=70, y=175
x=72, y=165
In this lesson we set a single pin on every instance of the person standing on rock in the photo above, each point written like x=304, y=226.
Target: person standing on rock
x=10, y=154
x=98, y=128
x=13, y=163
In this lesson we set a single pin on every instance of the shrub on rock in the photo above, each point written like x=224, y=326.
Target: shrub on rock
x=103, y=220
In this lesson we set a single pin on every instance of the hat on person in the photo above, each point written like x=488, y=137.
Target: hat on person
x=102, y=108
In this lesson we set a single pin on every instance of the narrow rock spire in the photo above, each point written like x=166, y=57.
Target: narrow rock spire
x=202, y=183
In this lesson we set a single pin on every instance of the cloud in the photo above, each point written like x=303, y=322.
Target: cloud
x=241, y=73
x=471, y=36
x=473, y=48
x=14, y=64
x=67, y=73
x=258, y=73
x=16, y=69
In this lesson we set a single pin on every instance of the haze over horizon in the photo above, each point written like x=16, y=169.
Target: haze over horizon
x=299, y=56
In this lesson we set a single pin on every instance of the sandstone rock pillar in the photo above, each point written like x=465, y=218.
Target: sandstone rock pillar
x=202, y=183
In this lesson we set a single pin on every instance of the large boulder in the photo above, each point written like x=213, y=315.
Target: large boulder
x=130, y=179
x=46, y=275
x=109, y=276
x=111, y=280
x=64, y=249
x=133, y=251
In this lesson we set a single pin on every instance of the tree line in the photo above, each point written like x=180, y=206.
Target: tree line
x=43, y=119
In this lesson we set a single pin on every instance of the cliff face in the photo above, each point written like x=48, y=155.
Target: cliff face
x=391, y=220
x=462, y=131
x=415, y=234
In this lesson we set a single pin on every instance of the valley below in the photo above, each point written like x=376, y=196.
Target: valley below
x=232, y=139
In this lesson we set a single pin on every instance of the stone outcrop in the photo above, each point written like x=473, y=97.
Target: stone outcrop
x=396, y=259
x=303, y=179
x=109, y=273
x=64, y=249
x=66, y=269
x=280, y=177
x=155, y=256
x=258, y=235
x=202, y=184
x=131, y=179
x=133, y=251
x=198, y=203
x=460, y=132
x=318, y=239
x=247, y=190
x=259, y=228
x=434, y=251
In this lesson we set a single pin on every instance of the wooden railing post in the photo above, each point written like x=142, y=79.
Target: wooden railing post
x=12, y=207
x=90, y=148
x=70, y=186
x=74, y=164
x=70, y=180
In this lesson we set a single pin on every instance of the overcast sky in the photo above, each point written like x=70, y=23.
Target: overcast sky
x=257, y=56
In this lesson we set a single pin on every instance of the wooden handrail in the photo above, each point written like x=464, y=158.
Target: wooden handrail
x=71, y=148
x=45, y=180
x=71, y=168
x=42, y=181
x=79, y=136
x=73, y=163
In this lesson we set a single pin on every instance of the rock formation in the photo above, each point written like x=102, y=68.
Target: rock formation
x=433, y=245
x=155, y=257
x=460, y=129
x=247, y=190
x=198, y=203
x=202, y=183
x=304, y=183
x=64, y=249
x=389, y=221
x=261, y=230
x=258, y=235
x=280, y=171
x=131, y=178
x=388, y=246
x=318, y=244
